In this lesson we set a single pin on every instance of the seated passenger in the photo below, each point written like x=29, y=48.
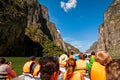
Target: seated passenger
x=27, y=68
x=49, y=69
x=92, y=58
x=6, y=72
x=70, y=74
x=36, y=70
x=81, y=64
x=62, y=62
x=98, y=71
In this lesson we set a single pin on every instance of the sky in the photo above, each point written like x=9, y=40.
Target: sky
x=77, y=21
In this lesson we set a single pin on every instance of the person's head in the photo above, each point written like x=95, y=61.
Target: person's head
x=63, y=58
x=49, y=69
x=2, y=60
x=92, y=53
x=32, y=58
x=82, y=56
x=103, y=57
x=113, y=70
x=71, y=66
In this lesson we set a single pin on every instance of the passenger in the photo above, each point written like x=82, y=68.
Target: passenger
x=6, y=72
x=31, y=70
x=92, y=58
x=62, y=61
x=113, y=70
x=98, y=71
x=71, y=55
x=76, y=57
x=91, y=61
x=81, y=64
x=36, y=70
x=49, y=68
x=87, y=59
x=70, y=74
x=27, y=68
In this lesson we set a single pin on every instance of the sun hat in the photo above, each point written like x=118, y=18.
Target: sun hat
x=63, y=58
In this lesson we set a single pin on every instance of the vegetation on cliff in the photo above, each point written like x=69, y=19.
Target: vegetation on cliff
x=25, y=30
x=48, y=46
x=12, y=25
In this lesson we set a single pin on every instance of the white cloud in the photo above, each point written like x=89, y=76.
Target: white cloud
x=58, y=31
x=67, y=6
x=81, y=45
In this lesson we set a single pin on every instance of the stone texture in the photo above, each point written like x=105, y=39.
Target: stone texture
x=12, y=25
x=109, y=31
x=93, y=48
x=24, y=28
x=38, y=17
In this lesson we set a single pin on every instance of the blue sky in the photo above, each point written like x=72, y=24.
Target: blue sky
x=77, y=20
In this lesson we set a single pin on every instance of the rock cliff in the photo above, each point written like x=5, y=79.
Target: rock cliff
x=109, y=31
x=93, y=48
x=12, y=25
x=25, y=29
x=38, y=18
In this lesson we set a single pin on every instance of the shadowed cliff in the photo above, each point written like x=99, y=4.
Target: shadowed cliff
x=25, y=30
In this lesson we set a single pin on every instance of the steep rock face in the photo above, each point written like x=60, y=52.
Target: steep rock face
x=25, y=30
x=72, y=49
x=37, y=16
x=56, y=36
x=38, y=19
x=12, y=25
x=93, y=48
x=109, y=31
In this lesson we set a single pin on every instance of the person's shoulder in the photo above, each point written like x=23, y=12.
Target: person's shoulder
x=5, y=66
x=79, y=60
x=76, y=75
x=77, y=72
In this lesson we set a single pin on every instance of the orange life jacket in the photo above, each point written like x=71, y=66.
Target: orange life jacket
x=28, y=66
x=7, y=77
x=36, y=70
x=63, y=64
x=75, y=76
x=97, y=72
x=81, y=66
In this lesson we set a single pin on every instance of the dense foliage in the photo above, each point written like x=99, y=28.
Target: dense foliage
x=49, y=48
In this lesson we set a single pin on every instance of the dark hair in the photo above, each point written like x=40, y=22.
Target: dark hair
x=49, y=65
x=113, y=70
x=92, y=53
x=2, y=60
x=71, y=66
x=82, y=56
x=32, y=58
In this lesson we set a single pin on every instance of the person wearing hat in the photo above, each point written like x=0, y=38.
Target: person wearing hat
x=62, y=62
x=27, y=68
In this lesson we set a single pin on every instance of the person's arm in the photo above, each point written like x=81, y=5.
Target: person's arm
x=11, y=72
x=82, y=78
x=63, y=76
